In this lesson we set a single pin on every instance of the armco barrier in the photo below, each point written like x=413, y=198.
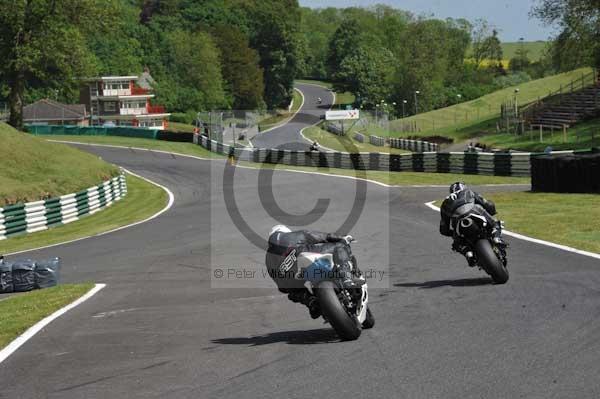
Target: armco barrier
x=413, y=145
x=40, y=215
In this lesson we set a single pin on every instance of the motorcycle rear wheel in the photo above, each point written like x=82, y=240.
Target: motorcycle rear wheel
x=346, y=326
x=490, y=262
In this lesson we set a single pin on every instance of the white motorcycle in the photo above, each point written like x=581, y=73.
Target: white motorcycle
x=346, y=309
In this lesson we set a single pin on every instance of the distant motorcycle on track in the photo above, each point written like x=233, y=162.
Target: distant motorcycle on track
x=476, y=233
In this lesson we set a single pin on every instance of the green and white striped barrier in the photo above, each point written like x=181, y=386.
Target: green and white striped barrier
x=41, y=215
x=498, y=164
x=413, y=145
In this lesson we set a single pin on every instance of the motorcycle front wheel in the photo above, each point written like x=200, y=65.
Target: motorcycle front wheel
x=345, y=325
x=490, y=262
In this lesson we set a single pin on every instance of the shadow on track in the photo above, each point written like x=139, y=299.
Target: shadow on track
x=465, y=282
x=299, y=337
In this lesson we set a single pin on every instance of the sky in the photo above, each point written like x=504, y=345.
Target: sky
x=510, y=17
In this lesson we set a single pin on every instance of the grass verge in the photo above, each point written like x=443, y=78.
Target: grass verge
x=581, y=136
x=280, y=116
x=567, y=219
x=345, y=143
x=21, y=311
x=404, y=178
x=32, y=169
x=181, y=127
x=143, y=200
x=180, y=148
x=446, y=121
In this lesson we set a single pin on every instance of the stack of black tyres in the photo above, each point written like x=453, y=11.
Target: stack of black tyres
x=576, y=173
x=27, y=275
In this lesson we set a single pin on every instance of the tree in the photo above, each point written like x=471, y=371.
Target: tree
x=578, y=42
x=273, y=27
x=480, y=44
x=342, y=44
x=368, y=72
x=520, y=61
x=119, y=51
x=240, y=68
x=44, y=40
x=195, y=63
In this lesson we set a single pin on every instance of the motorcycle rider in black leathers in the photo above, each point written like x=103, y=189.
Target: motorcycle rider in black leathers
x=463, y=200
x=285, y=245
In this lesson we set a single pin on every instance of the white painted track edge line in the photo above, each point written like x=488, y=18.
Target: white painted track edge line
x=157, y=214
x=137, y=149
x=37, y=327
x=535, y=240
x=288, y=120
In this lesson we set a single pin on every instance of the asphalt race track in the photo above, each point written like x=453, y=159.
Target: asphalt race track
x=164, y=327
x=287, y=137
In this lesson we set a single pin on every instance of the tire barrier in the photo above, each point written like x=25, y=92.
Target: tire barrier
x=413, y=145
x=571, y=173
x=495, y=164
x=41, y=215
x=335, y=129
x=377, y=141
x=359, y=137
x=26, y=275
x=166, y=135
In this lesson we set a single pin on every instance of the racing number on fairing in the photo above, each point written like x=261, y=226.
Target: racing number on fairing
x=288, y=262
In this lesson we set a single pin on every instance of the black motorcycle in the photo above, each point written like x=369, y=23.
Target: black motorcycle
x=476, y=233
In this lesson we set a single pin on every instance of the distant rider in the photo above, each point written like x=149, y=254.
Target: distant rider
x=460, y=202
x=285, y=246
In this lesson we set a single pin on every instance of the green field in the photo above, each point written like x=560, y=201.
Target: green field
x=143, y=200
x=455, y=121
x=32, y=169
x=21, y=311
x=535, y=50
x=567, y=219
x=344, y=143
x=340, y=98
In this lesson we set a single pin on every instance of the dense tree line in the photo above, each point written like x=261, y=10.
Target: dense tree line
x=381, y=53
x=203, y=54
x=245, y=54
x=578, y=42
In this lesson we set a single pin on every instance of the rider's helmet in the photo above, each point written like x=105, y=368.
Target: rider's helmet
x=456, y=187
x=279, y=229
